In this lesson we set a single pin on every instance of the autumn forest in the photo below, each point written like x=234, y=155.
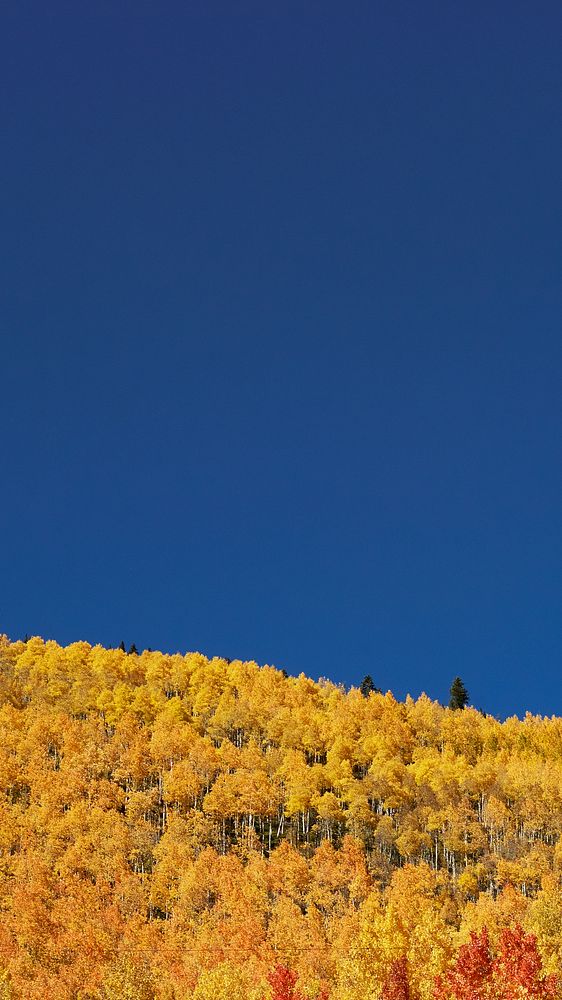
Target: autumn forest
x=182, y=828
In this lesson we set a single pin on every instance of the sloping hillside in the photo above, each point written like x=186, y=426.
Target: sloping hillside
x=175, y=827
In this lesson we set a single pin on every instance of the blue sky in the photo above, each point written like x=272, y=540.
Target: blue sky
x=280, y=336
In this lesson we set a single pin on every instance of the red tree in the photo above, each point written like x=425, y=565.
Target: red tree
x=471, y=973
x=518, y=967
x=513, y=974
x=282, y=982
x=396, y=985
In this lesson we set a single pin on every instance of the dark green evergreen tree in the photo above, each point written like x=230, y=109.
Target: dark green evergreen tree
x=458, y=694
x=133, y=650
x=367, y=685
x=122, y=645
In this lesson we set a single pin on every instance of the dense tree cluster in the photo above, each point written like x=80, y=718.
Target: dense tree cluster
x=178, y=828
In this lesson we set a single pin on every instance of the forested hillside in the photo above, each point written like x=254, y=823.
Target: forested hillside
x=178, y=828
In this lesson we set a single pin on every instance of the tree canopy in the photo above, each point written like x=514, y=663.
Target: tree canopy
x=179, y=828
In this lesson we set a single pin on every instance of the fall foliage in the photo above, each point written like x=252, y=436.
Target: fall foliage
x=515, y=972
x=179, y=828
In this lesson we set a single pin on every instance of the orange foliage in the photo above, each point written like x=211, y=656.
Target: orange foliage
x=177, y=827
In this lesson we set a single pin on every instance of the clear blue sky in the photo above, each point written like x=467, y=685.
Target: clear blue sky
x=280, y=336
